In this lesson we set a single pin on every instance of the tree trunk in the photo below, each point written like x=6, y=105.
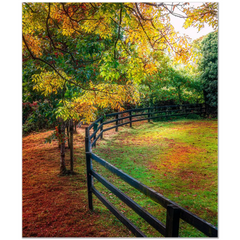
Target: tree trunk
x=68, y=133
x=59, y=131
x=62, y=149
x=71, y=144
x=75, y=127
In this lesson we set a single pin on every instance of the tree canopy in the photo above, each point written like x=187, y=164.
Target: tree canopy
x=93, y=55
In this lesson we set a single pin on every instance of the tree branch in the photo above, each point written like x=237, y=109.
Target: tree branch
x=30, y=8
x=145, y=19
x=50, y=37
x=59, y=74
x=77, y=21
x=118, y=37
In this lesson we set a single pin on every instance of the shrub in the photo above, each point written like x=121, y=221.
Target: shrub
x=193, y=116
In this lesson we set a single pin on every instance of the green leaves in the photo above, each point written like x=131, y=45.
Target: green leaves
x=209, y=68
x=173, y=85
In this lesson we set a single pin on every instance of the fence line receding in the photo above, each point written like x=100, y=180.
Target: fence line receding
x=174, y=212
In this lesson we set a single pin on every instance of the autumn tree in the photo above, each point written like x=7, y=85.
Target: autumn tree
x=82, y=45
x=95, y=54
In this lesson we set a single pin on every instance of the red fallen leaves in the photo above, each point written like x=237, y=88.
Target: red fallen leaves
x=55, y=206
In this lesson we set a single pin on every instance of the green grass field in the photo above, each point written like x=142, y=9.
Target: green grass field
x=178, y=159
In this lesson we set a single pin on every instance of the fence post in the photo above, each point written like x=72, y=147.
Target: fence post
x=101, y=128
x=95, y=126
x=172, y=223
x=89, y=167
x=94, y=137
x=89, y=179
x=130, y=118
x=116, y=123
x=87, y=142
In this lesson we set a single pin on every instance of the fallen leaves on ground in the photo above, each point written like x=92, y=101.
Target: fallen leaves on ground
x=57, y=206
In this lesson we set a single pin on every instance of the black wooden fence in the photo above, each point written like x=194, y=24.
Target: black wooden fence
x=174, y=211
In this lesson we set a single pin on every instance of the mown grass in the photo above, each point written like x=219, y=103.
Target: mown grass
x=178, y=159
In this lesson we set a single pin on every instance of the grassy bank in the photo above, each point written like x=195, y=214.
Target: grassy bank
x=178, y=159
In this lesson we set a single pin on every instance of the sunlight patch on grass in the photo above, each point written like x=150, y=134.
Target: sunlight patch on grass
x=178, y=159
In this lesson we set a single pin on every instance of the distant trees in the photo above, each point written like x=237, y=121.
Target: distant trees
x=172, y=84
x=208, y=67
x=195, y=82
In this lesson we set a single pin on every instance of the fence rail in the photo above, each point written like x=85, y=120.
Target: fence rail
x=174, y=211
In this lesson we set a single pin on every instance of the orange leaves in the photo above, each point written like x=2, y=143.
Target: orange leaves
x=206, y=13
x=151, y=68
x=34, y=44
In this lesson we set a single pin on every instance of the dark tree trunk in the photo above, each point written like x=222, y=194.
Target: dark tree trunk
x=71, y=144
x=59, y=132
x=75, y=127
x=68, y=133
x=62, y=149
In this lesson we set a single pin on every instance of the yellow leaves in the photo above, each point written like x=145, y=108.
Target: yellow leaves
x=100, y=96
x=29, y=25
x=187, y=23
x=151, y=68
x=84, y=111
x=48, y=82
x=135, y=69
x=206, y=13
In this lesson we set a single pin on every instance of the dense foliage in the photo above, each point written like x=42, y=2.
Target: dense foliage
x=209, y=69
x=84, y=58
x=38, y=111
x=172, y=85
